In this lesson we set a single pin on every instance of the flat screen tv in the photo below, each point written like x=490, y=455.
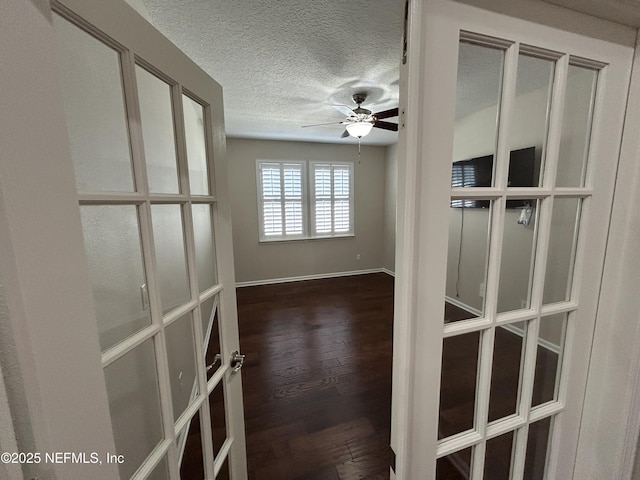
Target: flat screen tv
x=477, y=172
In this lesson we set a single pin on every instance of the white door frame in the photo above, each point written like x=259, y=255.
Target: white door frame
x=417, y=338
x=611, y=418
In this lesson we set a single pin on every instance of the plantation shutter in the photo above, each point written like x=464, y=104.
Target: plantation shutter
x=281, y=198
x=332, y=199
x=322, y=178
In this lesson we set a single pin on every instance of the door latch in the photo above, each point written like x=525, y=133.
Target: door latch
x=216, y=359
x=237, y=360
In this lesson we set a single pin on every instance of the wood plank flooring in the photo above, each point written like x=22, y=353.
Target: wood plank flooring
x=317, y=379
x=317, y=382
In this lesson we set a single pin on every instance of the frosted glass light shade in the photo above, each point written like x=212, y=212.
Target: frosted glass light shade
x=359, y=129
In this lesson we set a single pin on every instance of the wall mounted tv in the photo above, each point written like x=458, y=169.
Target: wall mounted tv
x=477, y=172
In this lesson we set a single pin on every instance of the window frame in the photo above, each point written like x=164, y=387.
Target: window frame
x=308, y=201
x=262, y=236
x=313, y=199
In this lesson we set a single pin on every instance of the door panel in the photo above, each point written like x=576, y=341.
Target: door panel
x=512, y=119
x=160, y=254
x=519, y=229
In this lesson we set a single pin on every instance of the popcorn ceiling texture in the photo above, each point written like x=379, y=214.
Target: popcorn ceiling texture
x=283, y=63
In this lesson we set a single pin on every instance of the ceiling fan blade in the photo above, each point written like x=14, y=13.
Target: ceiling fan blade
x=344, y=110
x=345, y=134
x=386, y=125
x=320, y=124
x=386, y=114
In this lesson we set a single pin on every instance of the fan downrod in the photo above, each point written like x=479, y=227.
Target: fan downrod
x=359, y=98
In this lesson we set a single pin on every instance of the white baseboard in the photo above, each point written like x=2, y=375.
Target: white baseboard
x=463, y=306
x=510, y=328
x=388, y=272
x=541, y=341
x=270, y=281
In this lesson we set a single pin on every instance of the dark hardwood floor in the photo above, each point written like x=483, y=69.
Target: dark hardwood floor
x=317, y=379
x=317, y=383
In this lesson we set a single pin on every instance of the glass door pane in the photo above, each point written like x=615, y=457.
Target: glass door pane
x=576, y=126
x=549, y=358
x=170, y=255
x=505, y=374
x=205, y=246
x=182, y=363
x=562, y=244
x=456, y=466
x=156, y=113
x=196, y=146
x=468, y=254
x=161, y=472
x=134, y=401
x=94, y=109
x=190, y=446
x=498, y=453
x=537, y=448
x=479, y=87
x=528, y=125
x=118, y=281
x=217, y=412
x=518, y=254
x=458, y=384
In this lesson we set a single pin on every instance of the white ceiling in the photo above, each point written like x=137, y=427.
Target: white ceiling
x=626, y=12
x=283, y=63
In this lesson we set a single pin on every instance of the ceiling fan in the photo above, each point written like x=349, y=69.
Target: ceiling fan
x=360, y=121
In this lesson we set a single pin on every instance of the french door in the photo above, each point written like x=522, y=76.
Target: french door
x=146, y=134
x=511, y=152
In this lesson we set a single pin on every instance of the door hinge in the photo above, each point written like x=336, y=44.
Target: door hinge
x=393, y=459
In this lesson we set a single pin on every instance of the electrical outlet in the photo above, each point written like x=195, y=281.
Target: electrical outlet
x=358, y=256
x=481, y=292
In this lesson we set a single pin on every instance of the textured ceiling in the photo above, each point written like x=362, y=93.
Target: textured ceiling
x=283, y=63
x=626, y=12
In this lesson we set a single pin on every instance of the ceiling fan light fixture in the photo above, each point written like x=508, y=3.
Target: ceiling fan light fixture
x=359, y=129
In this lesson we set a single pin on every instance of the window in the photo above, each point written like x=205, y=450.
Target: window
x=288, y=212
x=282, y=200
x=332, y=204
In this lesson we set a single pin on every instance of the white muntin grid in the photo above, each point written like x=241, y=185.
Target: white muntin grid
x=544, y=196
x=143, y=200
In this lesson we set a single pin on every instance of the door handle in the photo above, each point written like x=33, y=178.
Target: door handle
x=237, y=360
x=216, y=359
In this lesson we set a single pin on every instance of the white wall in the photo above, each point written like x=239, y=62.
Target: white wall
x=257, y=261
x=390, y=194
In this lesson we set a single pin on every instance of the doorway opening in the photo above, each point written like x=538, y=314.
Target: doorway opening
x=317, y=382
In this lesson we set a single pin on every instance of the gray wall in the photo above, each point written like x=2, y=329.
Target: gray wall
x=257, y=261
x=390, y=195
